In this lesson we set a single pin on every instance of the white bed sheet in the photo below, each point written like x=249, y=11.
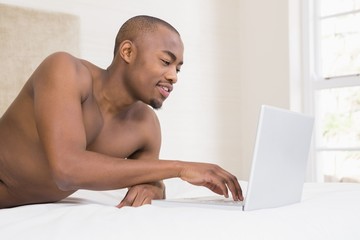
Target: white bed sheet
x=327, y=211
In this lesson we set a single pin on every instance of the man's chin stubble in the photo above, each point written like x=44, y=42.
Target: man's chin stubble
x=155, y=104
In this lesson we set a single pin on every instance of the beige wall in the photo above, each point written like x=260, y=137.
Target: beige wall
x=236, y=58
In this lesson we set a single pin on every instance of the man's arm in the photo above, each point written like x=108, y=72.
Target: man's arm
x=59, y=85
x=141, y=194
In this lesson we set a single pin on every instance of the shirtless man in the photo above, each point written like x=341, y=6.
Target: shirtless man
x=77, y=126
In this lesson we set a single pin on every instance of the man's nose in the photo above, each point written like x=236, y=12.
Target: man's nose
x=171, y=75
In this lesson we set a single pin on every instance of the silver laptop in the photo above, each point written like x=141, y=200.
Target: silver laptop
x=278, y=167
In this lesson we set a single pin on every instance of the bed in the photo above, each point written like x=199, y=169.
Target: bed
x=327, y=211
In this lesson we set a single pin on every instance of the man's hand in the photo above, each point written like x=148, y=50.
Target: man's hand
x=141, y=194
x=213, y=177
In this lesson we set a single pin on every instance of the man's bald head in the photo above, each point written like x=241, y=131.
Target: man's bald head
x=137, y=26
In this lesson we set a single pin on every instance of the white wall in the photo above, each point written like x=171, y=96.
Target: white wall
x=236, y=58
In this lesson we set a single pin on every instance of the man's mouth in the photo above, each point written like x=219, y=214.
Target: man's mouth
x=164, y=90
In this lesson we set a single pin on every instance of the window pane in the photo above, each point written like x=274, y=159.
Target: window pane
x=340, y=48
x=330, y=7
x=343, y=166
x=338, y=117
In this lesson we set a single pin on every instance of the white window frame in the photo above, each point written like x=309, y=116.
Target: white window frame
x=313, y=82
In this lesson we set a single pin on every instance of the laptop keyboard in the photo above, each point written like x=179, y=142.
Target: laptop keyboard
x=221, y=201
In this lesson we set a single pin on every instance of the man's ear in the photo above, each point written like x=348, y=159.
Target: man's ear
x=126, y=50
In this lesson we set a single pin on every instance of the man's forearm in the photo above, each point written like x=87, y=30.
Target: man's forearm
x=96, y=171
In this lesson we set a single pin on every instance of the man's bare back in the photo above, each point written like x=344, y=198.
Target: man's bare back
x=77, y=126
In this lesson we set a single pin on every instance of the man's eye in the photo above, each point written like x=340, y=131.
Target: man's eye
x=167, y=63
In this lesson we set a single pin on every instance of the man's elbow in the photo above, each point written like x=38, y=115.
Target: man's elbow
x=65, y=179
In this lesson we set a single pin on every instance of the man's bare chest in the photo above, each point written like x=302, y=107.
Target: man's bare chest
x=113, y=137
x=116, y=142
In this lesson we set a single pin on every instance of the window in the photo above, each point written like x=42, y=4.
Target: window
x=333, y=67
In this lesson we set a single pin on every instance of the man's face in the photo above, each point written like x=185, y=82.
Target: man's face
x=159, y=57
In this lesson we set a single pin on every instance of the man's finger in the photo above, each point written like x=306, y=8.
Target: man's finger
x=128, y=199
x=233, y=185
x=218, y=186
x=235, y=188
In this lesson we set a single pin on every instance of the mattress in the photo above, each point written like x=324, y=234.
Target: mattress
x=327, y=211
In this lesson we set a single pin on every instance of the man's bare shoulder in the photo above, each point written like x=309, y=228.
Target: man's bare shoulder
x=62, y=57
x=145, y=117
x=54, y=66
x=142, y=111
x=64, y=67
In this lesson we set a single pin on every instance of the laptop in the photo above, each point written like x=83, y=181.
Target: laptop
x=278, y=168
